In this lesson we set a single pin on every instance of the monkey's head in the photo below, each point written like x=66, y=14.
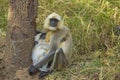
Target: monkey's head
x=53, y=22
x=39, y=36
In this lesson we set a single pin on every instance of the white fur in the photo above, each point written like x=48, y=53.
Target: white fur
x=53, y=15
x=39, y=51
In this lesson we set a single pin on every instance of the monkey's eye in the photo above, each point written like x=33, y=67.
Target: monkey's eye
x=53, y=22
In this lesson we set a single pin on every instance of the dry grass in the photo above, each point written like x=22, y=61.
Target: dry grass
x=96, y=50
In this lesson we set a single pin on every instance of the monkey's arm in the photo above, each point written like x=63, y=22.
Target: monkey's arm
x=50, y=55
x=47, y=58
x=32, y=69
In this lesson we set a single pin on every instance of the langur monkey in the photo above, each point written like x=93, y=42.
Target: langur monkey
x=40, y=50
x=60, y=44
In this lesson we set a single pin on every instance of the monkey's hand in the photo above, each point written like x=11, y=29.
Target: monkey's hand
x=43, y=73
x=32, y=70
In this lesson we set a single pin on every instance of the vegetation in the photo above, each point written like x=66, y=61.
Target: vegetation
x=93, y=24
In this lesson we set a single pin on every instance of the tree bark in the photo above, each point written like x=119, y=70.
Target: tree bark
x=20, y=33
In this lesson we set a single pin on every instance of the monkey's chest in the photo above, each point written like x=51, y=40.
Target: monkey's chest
x=38, y=53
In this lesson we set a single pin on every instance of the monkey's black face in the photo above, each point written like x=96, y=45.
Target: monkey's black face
x=53, y=22
x=39, y=36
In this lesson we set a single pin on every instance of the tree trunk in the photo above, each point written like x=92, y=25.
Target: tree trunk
x=20, y=33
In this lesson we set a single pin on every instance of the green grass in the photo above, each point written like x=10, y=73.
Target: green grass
x=96, y=50
x=3, y=14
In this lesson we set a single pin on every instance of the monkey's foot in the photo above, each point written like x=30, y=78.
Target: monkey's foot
x=43, y=73
x=32, y=70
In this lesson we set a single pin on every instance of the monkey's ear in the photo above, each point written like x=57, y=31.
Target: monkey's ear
x=37, y=32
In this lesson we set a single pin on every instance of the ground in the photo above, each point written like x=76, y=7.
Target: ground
x=96, y=38
x=83, y=68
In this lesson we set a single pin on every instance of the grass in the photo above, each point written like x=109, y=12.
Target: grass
x=96, y=50
x=3, y=14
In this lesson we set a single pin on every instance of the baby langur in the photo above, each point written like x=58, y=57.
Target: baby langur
x=40, y=50
x=60, y=44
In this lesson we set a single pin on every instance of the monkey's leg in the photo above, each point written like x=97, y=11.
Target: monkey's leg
x=33, y=69
x=59, y=60
x=47, y=72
